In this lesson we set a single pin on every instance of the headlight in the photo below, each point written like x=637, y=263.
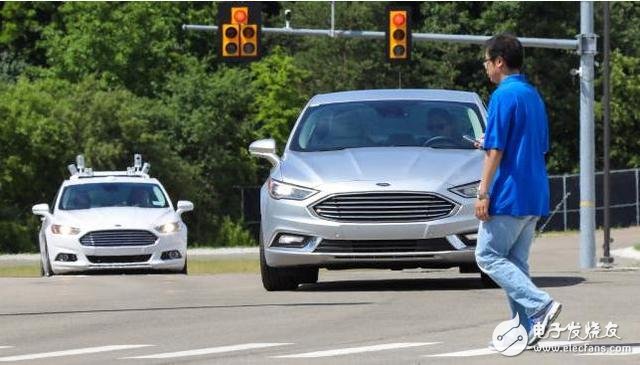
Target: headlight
x=467, y=190
x=168, y=228
x=65, y=230
x=279, y=190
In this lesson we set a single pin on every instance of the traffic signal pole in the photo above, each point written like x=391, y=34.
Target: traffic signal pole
x=584, y=45
x=570, y=44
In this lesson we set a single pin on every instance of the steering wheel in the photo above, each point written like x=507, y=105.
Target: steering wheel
x=436, y=139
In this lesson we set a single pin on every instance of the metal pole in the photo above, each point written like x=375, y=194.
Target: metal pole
x=637, y=199
x=570, y=44
x=587, y=147
x=606, y=259
x=333, y=19
x=564, y=202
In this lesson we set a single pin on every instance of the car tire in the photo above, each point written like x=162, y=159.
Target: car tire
x=308, y=275
x=487, y=282
x=273, y=278
x=469, y=268
x=45, y=264
x=184, y=268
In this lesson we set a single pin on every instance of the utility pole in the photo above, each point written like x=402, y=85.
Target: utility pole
x=587, y=141
x=606, y=259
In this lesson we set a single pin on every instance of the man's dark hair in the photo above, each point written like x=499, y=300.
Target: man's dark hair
x=508, y=47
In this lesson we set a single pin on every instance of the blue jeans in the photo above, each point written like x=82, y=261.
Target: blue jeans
x=502, y=252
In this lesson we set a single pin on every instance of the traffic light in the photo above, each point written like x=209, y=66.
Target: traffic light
x=398, y=34
x=239, y=31
x=230, y=40
x=249, y=40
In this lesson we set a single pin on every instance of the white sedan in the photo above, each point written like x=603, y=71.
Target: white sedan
x=112, y=220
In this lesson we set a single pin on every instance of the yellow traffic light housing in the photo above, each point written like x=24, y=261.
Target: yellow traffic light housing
x=230, y=40
x=239, y=29
x=398, y=34
x=249, y=40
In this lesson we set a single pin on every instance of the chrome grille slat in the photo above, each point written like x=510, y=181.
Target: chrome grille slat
x=118, y=238
x=376, y=207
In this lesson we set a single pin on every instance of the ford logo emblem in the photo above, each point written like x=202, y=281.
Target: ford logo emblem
x=383, y=184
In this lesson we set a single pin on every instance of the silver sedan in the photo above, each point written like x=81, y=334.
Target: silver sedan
x=372, y=179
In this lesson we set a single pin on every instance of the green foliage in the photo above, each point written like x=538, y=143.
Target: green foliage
x=625, y=96
x=234, y=234
x=278, y=100
x=135, y=44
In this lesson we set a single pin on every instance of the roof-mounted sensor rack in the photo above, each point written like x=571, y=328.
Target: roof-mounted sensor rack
x=139, y=169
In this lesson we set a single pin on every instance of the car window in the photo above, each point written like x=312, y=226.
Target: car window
x=100, y=195
x=387, y=123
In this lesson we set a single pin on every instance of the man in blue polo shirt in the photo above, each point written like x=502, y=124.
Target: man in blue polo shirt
x=514, y=190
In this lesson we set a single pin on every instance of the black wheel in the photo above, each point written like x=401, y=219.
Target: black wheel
x=308, y=275
x=45, y=263
x=469, y=268
x=184, y=269
x=487, y=282
x=275, y=279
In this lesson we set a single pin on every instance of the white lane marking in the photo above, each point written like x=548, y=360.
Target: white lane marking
x=635, y=350
x=474, y=352
x=209, y=350
x=356, y=350
x=487, y=351
x=5, y=347
x=88, y=350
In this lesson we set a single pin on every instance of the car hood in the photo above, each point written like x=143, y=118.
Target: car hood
x=444, y=166
x=118, y=217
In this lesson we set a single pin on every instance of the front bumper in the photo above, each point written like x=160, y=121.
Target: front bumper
x=134, y=257
x=295, y=217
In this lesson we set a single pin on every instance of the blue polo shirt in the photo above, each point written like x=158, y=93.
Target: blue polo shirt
x=517, y=125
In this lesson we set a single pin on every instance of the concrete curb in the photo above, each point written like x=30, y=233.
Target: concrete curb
x=628, y=253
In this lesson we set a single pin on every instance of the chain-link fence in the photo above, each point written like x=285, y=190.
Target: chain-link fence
x=564, y=195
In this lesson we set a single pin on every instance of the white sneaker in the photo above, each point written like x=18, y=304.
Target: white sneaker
x=549, y=317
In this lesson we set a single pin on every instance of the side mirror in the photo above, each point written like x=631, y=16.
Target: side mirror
x=41, y=209
x=265, y=148
x=184, y=206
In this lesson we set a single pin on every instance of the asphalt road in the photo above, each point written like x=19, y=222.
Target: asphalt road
x=349, y=317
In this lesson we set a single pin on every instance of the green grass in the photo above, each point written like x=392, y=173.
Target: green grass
x=20, y=270
x=637, y=247
x=223, y=266
x=209, y=266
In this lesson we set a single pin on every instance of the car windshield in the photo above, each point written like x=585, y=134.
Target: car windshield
x=100, y=195
x=388, y=123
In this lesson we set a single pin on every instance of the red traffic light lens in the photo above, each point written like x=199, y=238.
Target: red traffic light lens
x=398, y=19
x=231, y=32
x=240, y=16
x=248, y=32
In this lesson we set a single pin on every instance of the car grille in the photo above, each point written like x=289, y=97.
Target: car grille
x=118, y=238
x=118, y=259
x=373, y=246
x=384, y=207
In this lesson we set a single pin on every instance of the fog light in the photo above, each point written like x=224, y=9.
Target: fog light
x=67, y=257
x=171, y=255
x=291, y=240
x=287, y=239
